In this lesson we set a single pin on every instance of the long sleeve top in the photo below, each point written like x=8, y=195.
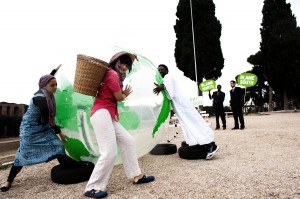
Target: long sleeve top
x=41, y=102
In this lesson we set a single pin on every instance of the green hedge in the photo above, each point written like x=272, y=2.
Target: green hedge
x=210, y=110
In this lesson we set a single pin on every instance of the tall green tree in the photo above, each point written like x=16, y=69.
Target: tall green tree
x=259, y=92
x=207, y=33
x=280, y=48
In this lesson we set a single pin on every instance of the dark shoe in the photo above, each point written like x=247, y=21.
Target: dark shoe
x=235, y=128
x=212, y=149
x=145, y=179
x=93, y=194
x=217, y=128
x=242, y=128
x=4, y=189
x=224, y=127
x=209, y=147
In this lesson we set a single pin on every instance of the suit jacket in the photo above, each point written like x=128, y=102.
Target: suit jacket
x=237, y=97
x=217, y=99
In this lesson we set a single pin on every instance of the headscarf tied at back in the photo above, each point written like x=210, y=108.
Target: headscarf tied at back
x=44, y=80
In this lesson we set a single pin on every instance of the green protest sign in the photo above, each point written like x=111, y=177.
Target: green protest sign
x=207, y=85
x=247, y=79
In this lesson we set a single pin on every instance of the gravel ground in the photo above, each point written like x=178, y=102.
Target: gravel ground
x=262, y=161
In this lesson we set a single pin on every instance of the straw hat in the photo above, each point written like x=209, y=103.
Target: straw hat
x=119, y=54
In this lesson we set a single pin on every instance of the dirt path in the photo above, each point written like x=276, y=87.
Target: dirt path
x=262, y=161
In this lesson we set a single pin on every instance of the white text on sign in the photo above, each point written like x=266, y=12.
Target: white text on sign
x=247, y=80
x=208, y=86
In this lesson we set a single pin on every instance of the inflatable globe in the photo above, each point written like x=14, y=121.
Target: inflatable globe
x=144, y=114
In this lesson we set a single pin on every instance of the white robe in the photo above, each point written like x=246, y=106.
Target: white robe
x=195, y=129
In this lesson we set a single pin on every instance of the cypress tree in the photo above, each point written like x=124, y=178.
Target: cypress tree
x=280, y=48
x=259, y=92
x=207, y=33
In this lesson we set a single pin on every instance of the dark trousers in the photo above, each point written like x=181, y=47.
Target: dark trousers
x=238, y=115
x=219, y=112
x=63, y=161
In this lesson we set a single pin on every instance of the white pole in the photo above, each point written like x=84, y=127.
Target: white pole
x=194, y=45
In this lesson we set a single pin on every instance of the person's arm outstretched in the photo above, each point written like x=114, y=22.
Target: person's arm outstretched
x=158, y=88
x=55, y=70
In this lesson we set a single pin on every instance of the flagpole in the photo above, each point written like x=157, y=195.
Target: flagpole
x=191, y=6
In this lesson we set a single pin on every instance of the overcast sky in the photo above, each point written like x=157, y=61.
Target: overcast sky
x=36, y=36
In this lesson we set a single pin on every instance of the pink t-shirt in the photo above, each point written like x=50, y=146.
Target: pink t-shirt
x=105, y=98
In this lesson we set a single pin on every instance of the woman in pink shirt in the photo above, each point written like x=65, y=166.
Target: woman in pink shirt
x=109, y=132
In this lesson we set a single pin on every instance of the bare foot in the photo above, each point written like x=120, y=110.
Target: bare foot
x=5, y=187
x=6, y=184
x=136, y=178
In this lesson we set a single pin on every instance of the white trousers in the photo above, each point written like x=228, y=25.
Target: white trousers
x=109, y=135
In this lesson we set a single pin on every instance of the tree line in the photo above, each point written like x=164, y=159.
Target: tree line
x=276, y=64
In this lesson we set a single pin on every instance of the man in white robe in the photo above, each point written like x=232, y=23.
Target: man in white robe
x=195, y=130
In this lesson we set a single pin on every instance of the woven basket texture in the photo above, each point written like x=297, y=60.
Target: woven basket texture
x=89, y=74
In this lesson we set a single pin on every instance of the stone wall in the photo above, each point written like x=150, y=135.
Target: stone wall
x=12, y=109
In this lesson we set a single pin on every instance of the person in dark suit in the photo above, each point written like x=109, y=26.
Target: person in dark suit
x=218, y=99
x=237, y=103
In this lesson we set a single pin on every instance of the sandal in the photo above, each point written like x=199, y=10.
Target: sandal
x=145, y=179
x=93, y=194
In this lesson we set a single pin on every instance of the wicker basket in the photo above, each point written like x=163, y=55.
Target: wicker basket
x=89, y=74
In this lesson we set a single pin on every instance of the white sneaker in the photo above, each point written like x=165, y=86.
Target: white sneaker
x=212, y=154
